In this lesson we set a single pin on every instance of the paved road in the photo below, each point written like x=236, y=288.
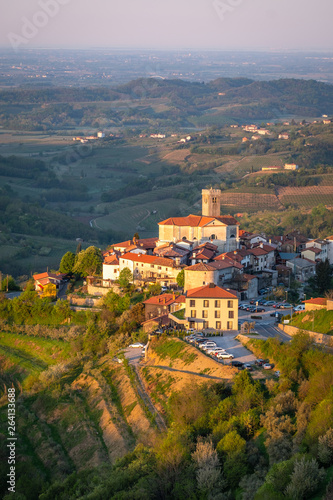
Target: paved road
x=267, y=325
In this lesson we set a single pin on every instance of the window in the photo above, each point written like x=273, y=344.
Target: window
x=206, y=303
x=217, y=303
x=213, y=237
x=230, y=303
x=205, y=314
x=193, y=314
x=231, y=314
x=214, y=200
x=217, y=314
x=218, y=325
x=192, y=303
x=159, y=267
x=229, y=325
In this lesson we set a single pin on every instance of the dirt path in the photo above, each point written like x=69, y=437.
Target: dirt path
x=146, y=399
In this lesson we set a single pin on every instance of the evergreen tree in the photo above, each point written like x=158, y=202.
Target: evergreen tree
x=323, y=277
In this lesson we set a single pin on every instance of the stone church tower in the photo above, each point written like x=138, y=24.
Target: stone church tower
x=211, y=202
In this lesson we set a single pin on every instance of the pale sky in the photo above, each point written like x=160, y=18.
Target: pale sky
x=169, y=24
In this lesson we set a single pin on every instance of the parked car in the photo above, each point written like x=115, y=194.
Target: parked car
x=237, y=364
x=267, y=366
x=300, y=307
x=259, y=362
x=215, y=350
x=261, y=309
x=270, y=303
x=244, y=306
x=248, y=367
x=225, y=355
x=136, y=344
x=204, y=347
x=277, y=373
x=284, y=306
x=200, y=341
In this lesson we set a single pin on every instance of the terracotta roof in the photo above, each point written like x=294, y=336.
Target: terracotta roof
x=208, y=245
x=257, y=251
x=312, y=249
x=169, y=298
x=319, y=301
x=225, y=263
x=249, y=277
x=210, y=291
x=198, y=221
x=267, y=248
x=204, y=253
x=111, y=260
x=48, y=275
x=200, y=267
x=144, y=243
x=139, y=257
x=162, y=261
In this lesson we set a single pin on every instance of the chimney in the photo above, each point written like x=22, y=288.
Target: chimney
x=211, y=285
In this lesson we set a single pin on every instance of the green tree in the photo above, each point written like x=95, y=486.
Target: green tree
x=323, y=277
x=125, y=278
x=305, y=479
x=181, y=279
x=67, y=263
x=89, y=262
x=10, y=284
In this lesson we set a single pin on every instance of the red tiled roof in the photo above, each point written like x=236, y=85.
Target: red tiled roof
x=200, y=267
x=111, y=260
x=204, y=253
x=312, y=249
x=225, y=263
x=257, y=251
x=198, y=221
x=267, y=248
x=210, y=291
x=139, y=257
x=163, y=299
x=163, y=261
x=319, y=301
x=48, y=275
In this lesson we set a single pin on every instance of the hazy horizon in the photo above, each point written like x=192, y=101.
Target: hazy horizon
x=216, y=25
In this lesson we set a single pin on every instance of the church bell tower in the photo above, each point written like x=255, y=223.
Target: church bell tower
x=211, y=202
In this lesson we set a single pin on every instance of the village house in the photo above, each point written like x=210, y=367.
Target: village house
x=163, y=304
x=318, y=303
x=174, y=252
x=247, y=239
x=303, y=269
x=214, y=272
x=212, y=307
x=316, y=250
x=150, y=268
x=49, y=280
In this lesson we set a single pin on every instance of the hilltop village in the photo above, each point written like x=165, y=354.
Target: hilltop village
x=211, y=262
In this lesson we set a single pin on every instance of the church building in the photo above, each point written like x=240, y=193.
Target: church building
x=222, y=230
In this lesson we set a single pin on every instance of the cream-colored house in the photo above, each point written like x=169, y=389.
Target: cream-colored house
x=211, y=307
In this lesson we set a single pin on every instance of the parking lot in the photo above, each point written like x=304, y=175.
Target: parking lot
x=234, y=347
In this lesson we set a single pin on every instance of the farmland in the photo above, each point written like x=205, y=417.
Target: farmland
x=55, y=190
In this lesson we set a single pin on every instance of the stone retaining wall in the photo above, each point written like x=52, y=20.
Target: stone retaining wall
x=319, y=338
